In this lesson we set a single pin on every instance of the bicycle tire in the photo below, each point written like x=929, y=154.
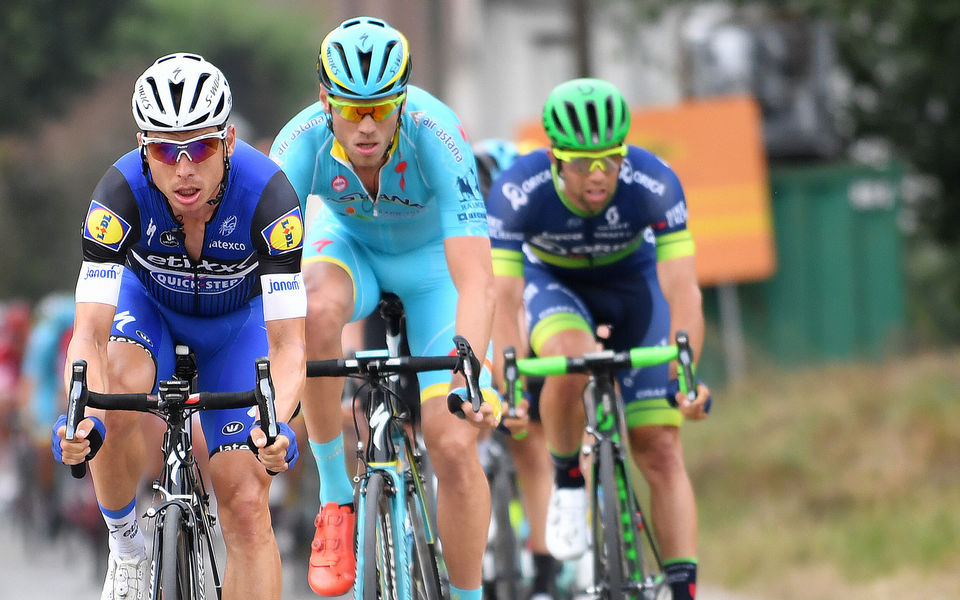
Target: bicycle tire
x=425, y=575
x=506, y=555
x=608, y=549
x=379, y=553
x=176, y=574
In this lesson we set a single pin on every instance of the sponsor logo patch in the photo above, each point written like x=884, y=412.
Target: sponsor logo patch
x=232, y=428
x=105, y=227
x=284, y=234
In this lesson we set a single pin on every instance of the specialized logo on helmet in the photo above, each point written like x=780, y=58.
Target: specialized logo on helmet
x=585, y=88
x=284, y=234
x=105, y=227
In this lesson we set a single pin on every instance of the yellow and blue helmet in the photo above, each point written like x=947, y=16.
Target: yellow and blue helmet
x=364, y=58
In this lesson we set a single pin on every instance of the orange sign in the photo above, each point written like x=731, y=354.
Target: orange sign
x=716, y=148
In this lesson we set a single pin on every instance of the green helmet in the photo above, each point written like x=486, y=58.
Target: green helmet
x=586, y=114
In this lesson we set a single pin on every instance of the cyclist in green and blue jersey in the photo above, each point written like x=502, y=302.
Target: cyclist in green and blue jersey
x=594, y=231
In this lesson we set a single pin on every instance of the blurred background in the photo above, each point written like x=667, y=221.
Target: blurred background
x=817, y=142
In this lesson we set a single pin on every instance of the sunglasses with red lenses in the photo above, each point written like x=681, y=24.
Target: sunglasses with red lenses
x=196, y=149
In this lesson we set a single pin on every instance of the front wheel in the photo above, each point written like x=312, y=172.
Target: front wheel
x=608, y=549
x=378, y=554
x=176, y=570
x=424, y=576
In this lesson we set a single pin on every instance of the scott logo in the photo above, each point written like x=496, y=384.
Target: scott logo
x=232, y=428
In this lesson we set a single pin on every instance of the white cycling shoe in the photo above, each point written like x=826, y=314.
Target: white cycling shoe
x=126, y=579
x=566, y=534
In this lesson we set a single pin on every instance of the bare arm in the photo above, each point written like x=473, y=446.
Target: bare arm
x=678, y=281
x=91, y=332
x=468, y=259
x=287, y=363
x=506, y=323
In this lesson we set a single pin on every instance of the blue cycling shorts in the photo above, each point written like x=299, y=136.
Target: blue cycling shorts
x=420, y=278
x=226, y=348
x=632, y=304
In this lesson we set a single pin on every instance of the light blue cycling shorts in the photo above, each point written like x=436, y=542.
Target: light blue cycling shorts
x=420, y=279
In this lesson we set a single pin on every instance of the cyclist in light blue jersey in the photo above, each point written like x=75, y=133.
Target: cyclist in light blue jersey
x=594, y=231
x=387, y=172
x=194, y=237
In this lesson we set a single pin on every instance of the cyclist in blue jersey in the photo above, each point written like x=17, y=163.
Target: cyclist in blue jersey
x=385, y=168
x=571, y=228
x=194, y=237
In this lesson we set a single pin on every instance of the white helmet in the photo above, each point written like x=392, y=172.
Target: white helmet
x=181, y=92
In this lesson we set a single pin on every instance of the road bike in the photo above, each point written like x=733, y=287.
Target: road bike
x=397, y=548
x=184, y=528
x=626, y=559
x=503, y=559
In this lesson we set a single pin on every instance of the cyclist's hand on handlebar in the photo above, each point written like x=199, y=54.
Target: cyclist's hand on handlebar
x=517, y=422
x=279, y=456
x=84, y=445
x=489, y=415
x=696, y=410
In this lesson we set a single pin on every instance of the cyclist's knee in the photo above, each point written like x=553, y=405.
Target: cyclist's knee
x=129, y=369
x=242, y=504
x=451, y=453
x=657, y=451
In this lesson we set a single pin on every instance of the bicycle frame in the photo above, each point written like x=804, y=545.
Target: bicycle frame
x=389, y=451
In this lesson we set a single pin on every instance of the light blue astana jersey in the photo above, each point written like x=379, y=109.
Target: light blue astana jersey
x=428, y=187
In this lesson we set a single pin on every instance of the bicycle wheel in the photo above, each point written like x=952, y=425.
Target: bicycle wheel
x=505, y=581
x=608, y=551
x=425, y=575
x=176, y=557
x=378, y=555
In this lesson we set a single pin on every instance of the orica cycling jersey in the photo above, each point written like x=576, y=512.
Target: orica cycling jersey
x=252, y=243
x=644, y=221
x=428, y=186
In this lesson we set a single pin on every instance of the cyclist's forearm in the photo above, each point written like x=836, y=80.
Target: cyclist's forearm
x=507, y=323
x=287, y=368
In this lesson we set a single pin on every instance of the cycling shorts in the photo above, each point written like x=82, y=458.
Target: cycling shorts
x=226, y=348
x=632, y=304
x=420, y=279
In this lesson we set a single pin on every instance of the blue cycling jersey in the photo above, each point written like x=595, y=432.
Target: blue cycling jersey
x=247, y=273
x=256, y=230
x=582, y=270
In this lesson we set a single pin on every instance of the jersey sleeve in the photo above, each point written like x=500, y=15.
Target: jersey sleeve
x=450, y=169
x=669, y=219
x=293, y=150
x=110, y=227
x=504, y=203
x=277, y=233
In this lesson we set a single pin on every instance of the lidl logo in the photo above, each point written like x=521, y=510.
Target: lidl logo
x=105, y=227
x=286, y=233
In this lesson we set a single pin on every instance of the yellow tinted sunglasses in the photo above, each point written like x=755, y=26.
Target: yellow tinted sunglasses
x=587, y=162
x=356, y=111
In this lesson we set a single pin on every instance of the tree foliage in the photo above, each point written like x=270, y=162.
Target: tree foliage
x=50, y=48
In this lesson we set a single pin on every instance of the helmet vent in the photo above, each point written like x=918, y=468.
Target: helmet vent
x=593, y=128
x=196, y=92
x=365, y=59
x=343, y=57
x=574, y=122
x=176, y=90
x=156, y=94
x=386, y=54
